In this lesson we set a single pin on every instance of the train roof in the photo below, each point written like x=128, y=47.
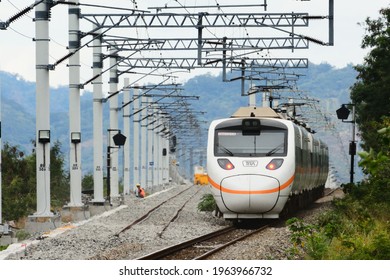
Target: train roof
x=265, y=112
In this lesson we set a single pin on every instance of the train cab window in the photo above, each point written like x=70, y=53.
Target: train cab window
x=233, y=141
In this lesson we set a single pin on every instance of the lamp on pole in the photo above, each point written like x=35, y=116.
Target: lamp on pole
x=342, y=114
x=119, y=140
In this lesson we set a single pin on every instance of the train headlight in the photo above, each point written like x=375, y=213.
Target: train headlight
x=225, y=164
x=274, y=164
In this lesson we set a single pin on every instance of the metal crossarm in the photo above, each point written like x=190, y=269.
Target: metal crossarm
x=191, y=63
x=208, y=44
x=164, y=20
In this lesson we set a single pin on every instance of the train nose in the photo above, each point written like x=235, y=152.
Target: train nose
x=250, y=193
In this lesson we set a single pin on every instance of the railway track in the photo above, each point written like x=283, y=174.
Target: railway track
x=204, y=246
x=145, y=216
x=126, y=246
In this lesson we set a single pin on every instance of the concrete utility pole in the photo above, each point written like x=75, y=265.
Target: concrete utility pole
x=136, y=146
x=126, y=132
x=157, y=149
x=162, y=152
x=166, y=158
x=144, y=147
x=74, y=108
x=42, y=16
x=252, y=100
x=97, y=66
x=113, y=122
x=150, y=163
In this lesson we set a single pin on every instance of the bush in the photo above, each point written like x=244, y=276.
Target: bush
x=352, y=231
x=207, y=203
x=2, y=248
x=308, y=239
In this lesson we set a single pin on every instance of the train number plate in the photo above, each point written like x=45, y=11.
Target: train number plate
x=249, y=163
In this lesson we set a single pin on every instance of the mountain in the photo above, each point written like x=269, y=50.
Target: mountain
x=217, y=98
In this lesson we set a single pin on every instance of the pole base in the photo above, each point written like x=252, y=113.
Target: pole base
x=41, y=223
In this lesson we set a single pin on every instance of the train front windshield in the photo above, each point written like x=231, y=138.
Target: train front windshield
x=232, y=142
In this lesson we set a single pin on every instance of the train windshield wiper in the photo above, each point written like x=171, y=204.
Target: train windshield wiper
x=226, y=150
x=274, y=150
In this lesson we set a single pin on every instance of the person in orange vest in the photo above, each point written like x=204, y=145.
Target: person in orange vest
x=140, y=191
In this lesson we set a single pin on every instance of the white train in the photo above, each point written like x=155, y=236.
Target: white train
x=260, y=164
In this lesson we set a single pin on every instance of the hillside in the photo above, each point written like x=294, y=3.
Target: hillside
x=217, y=99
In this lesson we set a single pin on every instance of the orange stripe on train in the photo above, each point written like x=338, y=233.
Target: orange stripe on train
x=285, y=185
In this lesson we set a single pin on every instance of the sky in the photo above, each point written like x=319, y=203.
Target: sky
x=17, y=48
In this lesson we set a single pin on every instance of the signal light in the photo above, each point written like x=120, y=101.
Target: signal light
x=225, y=164
x=274, y=164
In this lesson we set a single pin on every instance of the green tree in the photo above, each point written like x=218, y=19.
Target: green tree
x=18, y=189
x=371, y=91
x=87, y=182
x=59, y=178
x=19, y=181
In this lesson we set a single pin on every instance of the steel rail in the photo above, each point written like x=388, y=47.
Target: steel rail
x=219, y=248
x=177, y=214
x=144, y=217
x=160, y=254
x=183, y=245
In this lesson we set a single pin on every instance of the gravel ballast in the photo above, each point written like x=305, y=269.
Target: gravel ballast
x=98, y=238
